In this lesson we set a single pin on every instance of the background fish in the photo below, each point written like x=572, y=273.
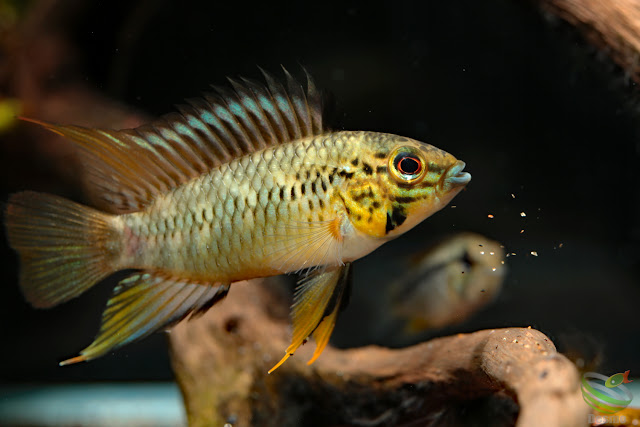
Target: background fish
x=247, y=182
x=449, y=282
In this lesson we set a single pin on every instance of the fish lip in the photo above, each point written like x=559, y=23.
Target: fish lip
x=455, y=175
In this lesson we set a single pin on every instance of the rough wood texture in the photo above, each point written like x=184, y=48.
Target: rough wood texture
x=613, y=26
x=492, y=377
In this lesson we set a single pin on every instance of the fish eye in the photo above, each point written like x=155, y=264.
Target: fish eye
x=407, y=165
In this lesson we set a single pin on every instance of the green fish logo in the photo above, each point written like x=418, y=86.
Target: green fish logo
x=606, y=395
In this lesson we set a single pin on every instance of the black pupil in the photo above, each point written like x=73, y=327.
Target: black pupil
x=409, y=165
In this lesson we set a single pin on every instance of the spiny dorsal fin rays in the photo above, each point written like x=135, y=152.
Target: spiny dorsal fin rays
x=284, y=106
x=129, y=168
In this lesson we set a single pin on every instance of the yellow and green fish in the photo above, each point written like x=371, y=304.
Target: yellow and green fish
x=246, y=182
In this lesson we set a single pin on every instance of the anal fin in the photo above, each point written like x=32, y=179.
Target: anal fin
x=144, y=303
x=317, y=301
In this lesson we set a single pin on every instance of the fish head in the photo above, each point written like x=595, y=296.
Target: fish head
x=399, y=182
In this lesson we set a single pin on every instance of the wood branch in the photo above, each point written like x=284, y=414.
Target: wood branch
x=491, y=377
x=613, y=26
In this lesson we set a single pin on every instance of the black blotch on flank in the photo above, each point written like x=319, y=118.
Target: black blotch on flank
x=355, y=162
x=293, y=192
x=376, y=204
x=324, y=186
x=381, y=169
x=281, y=193
x=398, y=216
x=389, y=225
x=331, y=179
x=345, y=174
x=308, y=175
x=321, y=204
x=313, y=187
x=324, y=168
x=380, y=155
x=395, y=219
x=310, y=205
x=297, y=176
x=367, y=168
x=303, y=189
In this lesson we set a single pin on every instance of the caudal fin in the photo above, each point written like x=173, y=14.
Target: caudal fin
x=64, y=247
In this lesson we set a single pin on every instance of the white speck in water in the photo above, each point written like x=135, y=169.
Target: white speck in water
x=534, y=253
x=513, y=196
x=522, y=214
x=493, y=269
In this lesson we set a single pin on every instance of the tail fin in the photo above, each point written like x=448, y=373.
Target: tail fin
x=65, y=248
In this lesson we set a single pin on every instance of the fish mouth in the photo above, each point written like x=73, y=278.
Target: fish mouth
x=456, y=177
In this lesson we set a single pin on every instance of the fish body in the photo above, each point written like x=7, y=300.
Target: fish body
x=246, y=183
x=449, y=282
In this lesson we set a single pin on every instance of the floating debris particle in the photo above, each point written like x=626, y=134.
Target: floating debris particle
x=521, y=231
x=453, y=206
x=534, y=253
x=560, y=245
x=490, y=216
x=522, y=214
x=513, y=196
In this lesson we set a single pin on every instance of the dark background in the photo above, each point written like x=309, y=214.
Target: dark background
x=519, y=96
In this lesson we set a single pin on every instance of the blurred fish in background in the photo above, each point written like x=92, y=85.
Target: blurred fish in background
x=446, y=284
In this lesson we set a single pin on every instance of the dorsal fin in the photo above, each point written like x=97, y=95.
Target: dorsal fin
x=128, y=168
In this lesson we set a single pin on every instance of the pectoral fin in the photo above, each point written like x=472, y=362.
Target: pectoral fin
x=317, y=301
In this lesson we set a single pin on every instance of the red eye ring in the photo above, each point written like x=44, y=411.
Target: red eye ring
x=408, y=165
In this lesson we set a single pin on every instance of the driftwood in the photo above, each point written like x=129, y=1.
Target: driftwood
x=491, y=377
x=612, y=26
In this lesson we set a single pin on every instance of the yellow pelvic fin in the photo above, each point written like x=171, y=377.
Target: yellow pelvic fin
x=317, y=301
x=127, y=169
x=144, y=303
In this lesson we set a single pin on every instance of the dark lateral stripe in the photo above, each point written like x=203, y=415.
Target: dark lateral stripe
x=405, y=199
x=419, y=185
x=380, y=155
x=381, y=169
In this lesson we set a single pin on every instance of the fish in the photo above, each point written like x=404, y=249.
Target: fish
x=248, y=181
x=448, y=282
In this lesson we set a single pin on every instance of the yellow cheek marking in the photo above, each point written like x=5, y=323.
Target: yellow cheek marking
x=366, y=208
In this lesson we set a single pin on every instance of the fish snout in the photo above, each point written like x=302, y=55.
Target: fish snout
x=455, y=176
